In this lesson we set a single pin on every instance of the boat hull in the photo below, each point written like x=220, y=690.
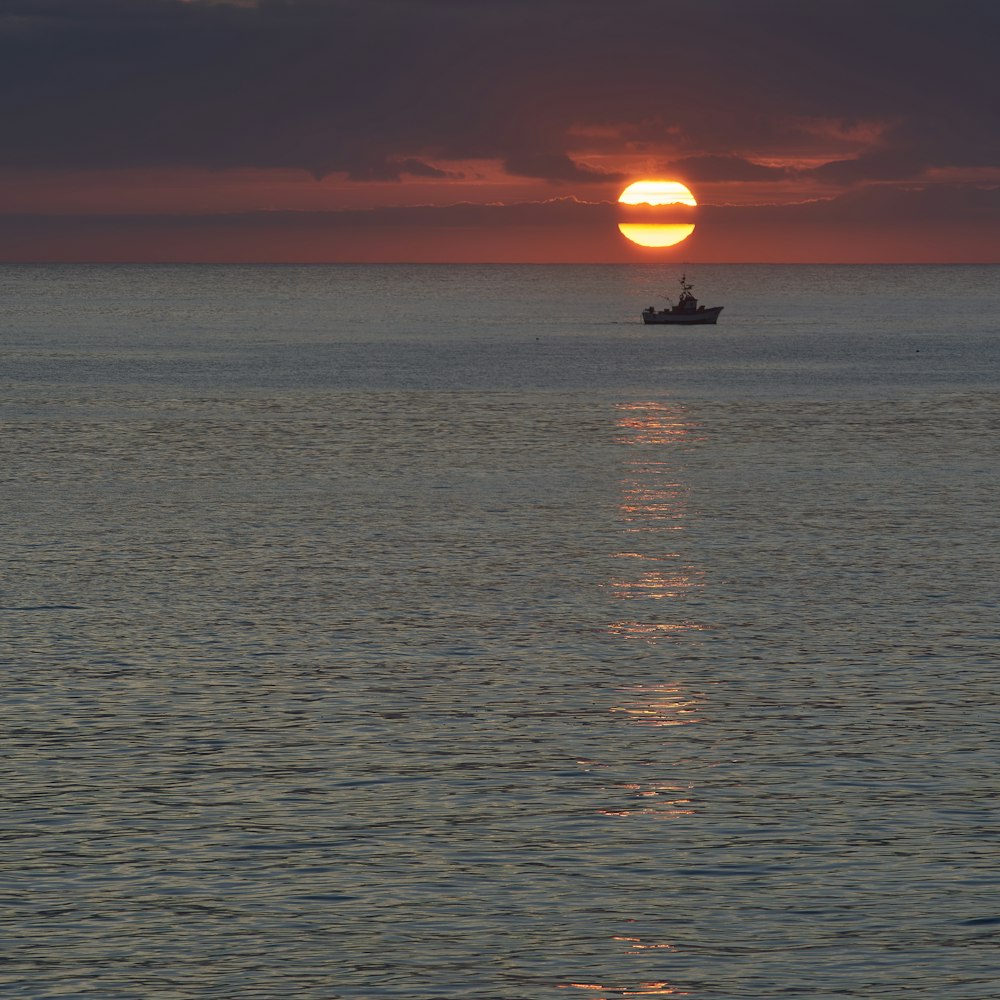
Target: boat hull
x=694, y=318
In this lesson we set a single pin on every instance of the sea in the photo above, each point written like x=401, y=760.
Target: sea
x=443, y=633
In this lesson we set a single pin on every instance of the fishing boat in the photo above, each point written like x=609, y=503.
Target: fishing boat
x=687, y=311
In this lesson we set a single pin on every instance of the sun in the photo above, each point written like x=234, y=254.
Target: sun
x=658, y=192
x=663, y=234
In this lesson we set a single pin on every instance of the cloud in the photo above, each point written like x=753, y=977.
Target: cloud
x=553, y=214
x=947, y=222
x=723, y=168
x=391, y=168
x=373, y=88
x=919, y=206
x=880, y=205
x=557, y=167
x=418, y=168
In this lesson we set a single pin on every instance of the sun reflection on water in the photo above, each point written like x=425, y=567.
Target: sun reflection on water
x=660, y=705
x=653, y=631
x=652, y=502
x=651, y=423
x=656, y=706
x=658, y=989
x=637, y=945
x=657, y=586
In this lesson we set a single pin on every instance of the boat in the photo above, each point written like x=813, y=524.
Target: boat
x=687, y=311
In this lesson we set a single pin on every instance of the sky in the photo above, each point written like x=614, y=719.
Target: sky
x=497, y=130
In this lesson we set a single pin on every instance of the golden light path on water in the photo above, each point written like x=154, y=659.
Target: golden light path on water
x=652, y=511
x=645, y=990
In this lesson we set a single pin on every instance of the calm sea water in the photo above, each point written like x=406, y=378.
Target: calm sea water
x=442, y=633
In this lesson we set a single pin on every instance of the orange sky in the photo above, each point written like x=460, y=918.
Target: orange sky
x=289, y=216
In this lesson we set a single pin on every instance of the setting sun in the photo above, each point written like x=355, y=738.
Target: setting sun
x=655, y=194
x=648, y=234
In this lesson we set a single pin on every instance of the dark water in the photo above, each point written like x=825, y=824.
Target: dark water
x=430, y=632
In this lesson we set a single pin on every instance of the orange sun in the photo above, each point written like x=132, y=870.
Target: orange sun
x=661, y=234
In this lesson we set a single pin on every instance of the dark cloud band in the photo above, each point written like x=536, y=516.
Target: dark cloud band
x=388, y=88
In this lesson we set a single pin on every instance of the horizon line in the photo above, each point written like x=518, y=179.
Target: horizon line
x=497, y=263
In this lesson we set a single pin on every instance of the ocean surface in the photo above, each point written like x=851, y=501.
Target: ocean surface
x=442, y=633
